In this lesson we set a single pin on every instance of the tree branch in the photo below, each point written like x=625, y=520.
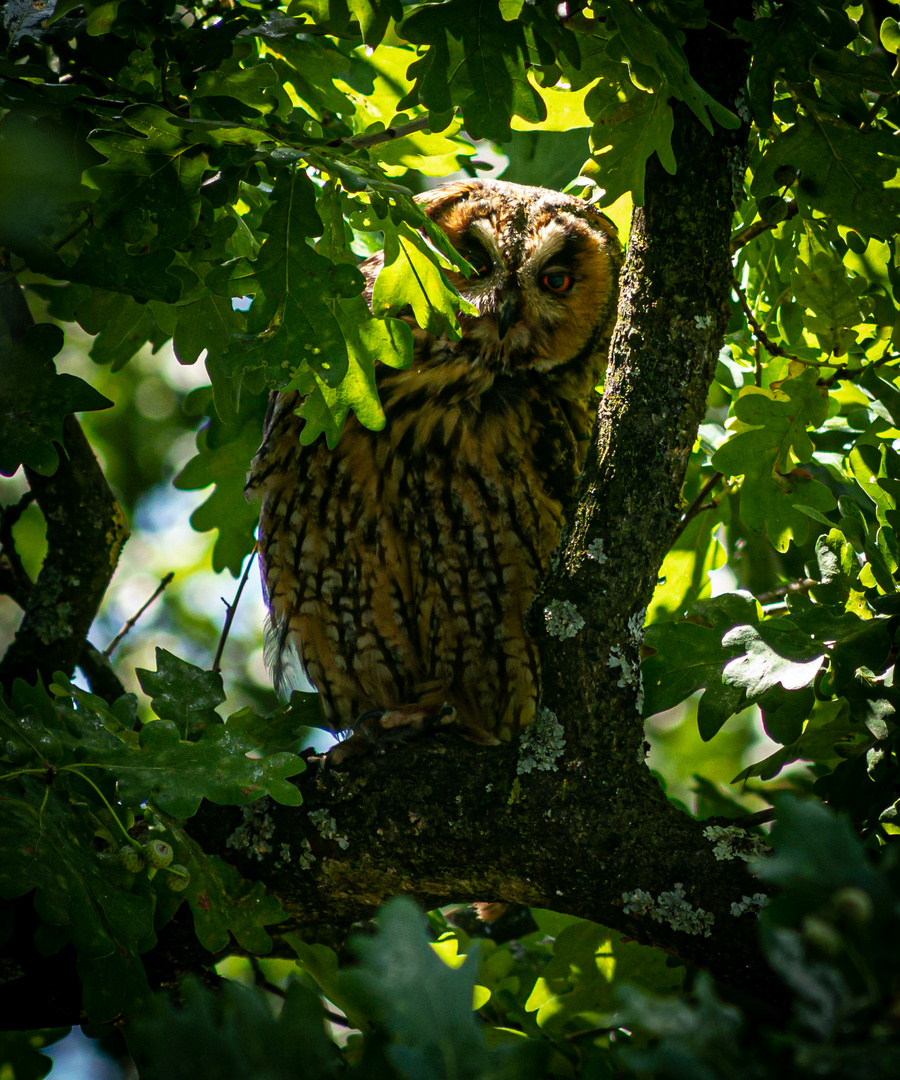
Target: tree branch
x=85, y=535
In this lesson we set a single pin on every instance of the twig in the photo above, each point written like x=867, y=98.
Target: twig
x=697, y=505
x=590, y=1033
x=98, y=671
x=362, y=142
x=11, y=271
x=231, y=609
x=260, y=980
x=881, y=99
x=849, y=374
x=760, y=334
x=107, y=652
x=790, y=589
x=759, y=227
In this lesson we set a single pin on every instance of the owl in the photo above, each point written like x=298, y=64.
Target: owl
x=399, y=566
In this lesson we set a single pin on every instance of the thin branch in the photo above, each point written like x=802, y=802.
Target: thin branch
x=99, y=672
x=849, y=374
x=12, y=271
x=759, y=227
x=85, y=535
x=590, y=1033
x=880, y=100
x=230, y=612
x=260, y=980
x=160, y=588
x=363, y=142
x=792, y=588
x=697, y=505
x=760, y=334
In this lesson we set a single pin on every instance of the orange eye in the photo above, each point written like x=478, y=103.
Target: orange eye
x=557, y=281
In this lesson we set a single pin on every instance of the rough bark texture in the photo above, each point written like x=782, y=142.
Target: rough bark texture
x=442, y=820
x=85, y=536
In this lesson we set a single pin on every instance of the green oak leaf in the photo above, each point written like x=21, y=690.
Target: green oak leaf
x=196, y=1032
x=248, y=85
x=47, y=845
x=834, y=302
x=425, y=1007
x=876, y=470
x=412, y=279
x=286, y=729
x=20, y=1051
x=690, y=656
x=292, y=327
x=885, y=395
x=369, y=340
x=422, y=1001
x=827, y=734
x=314, y=67
x=785, y=711
x=105, y=261
x=224, y=454
x=577, y=984
x=373, y=17
x=36, y=400
x=769, y=440
x=815, y=853
x=781, y=43
x=844, y=172
x=321, y=964
x=207, y=323
x=624, y=136
x=775, y=653
x=839, y=575
x=470, y=57
x=222, y=902
x=150, y=183
x=121, y=325
x=652, y=48
x=184, y=693
x=177, y=775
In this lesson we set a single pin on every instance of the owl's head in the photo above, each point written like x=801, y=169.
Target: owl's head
x=546, y=272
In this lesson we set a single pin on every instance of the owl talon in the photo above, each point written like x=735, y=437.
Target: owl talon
x=378, y=730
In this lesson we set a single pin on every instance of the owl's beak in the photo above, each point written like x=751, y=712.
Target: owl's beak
x=507, y=314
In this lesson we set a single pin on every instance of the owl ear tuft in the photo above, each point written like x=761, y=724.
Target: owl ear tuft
x=439, y=199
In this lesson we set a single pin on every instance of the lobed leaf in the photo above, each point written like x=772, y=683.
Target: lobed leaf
x=36, y=400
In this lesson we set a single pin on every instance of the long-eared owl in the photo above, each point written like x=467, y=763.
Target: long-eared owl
x=399, y=566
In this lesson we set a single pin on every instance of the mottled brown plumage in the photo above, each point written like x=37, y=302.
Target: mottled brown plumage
x=399, y=566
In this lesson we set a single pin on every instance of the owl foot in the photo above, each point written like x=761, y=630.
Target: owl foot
x=379, y=729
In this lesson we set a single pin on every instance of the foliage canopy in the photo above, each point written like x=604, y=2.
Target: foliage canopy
x=199, y=181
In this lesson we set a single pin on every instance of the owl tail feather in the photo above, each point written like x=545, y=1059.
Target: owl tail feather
x=279, y=654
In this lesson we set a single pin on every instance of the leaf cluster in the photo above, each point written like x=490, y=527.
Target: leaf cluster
x=81, y=780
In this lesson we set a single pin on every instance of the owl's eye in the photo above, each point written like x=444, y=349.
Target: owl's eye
x=480, y=261
x=557, y=281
